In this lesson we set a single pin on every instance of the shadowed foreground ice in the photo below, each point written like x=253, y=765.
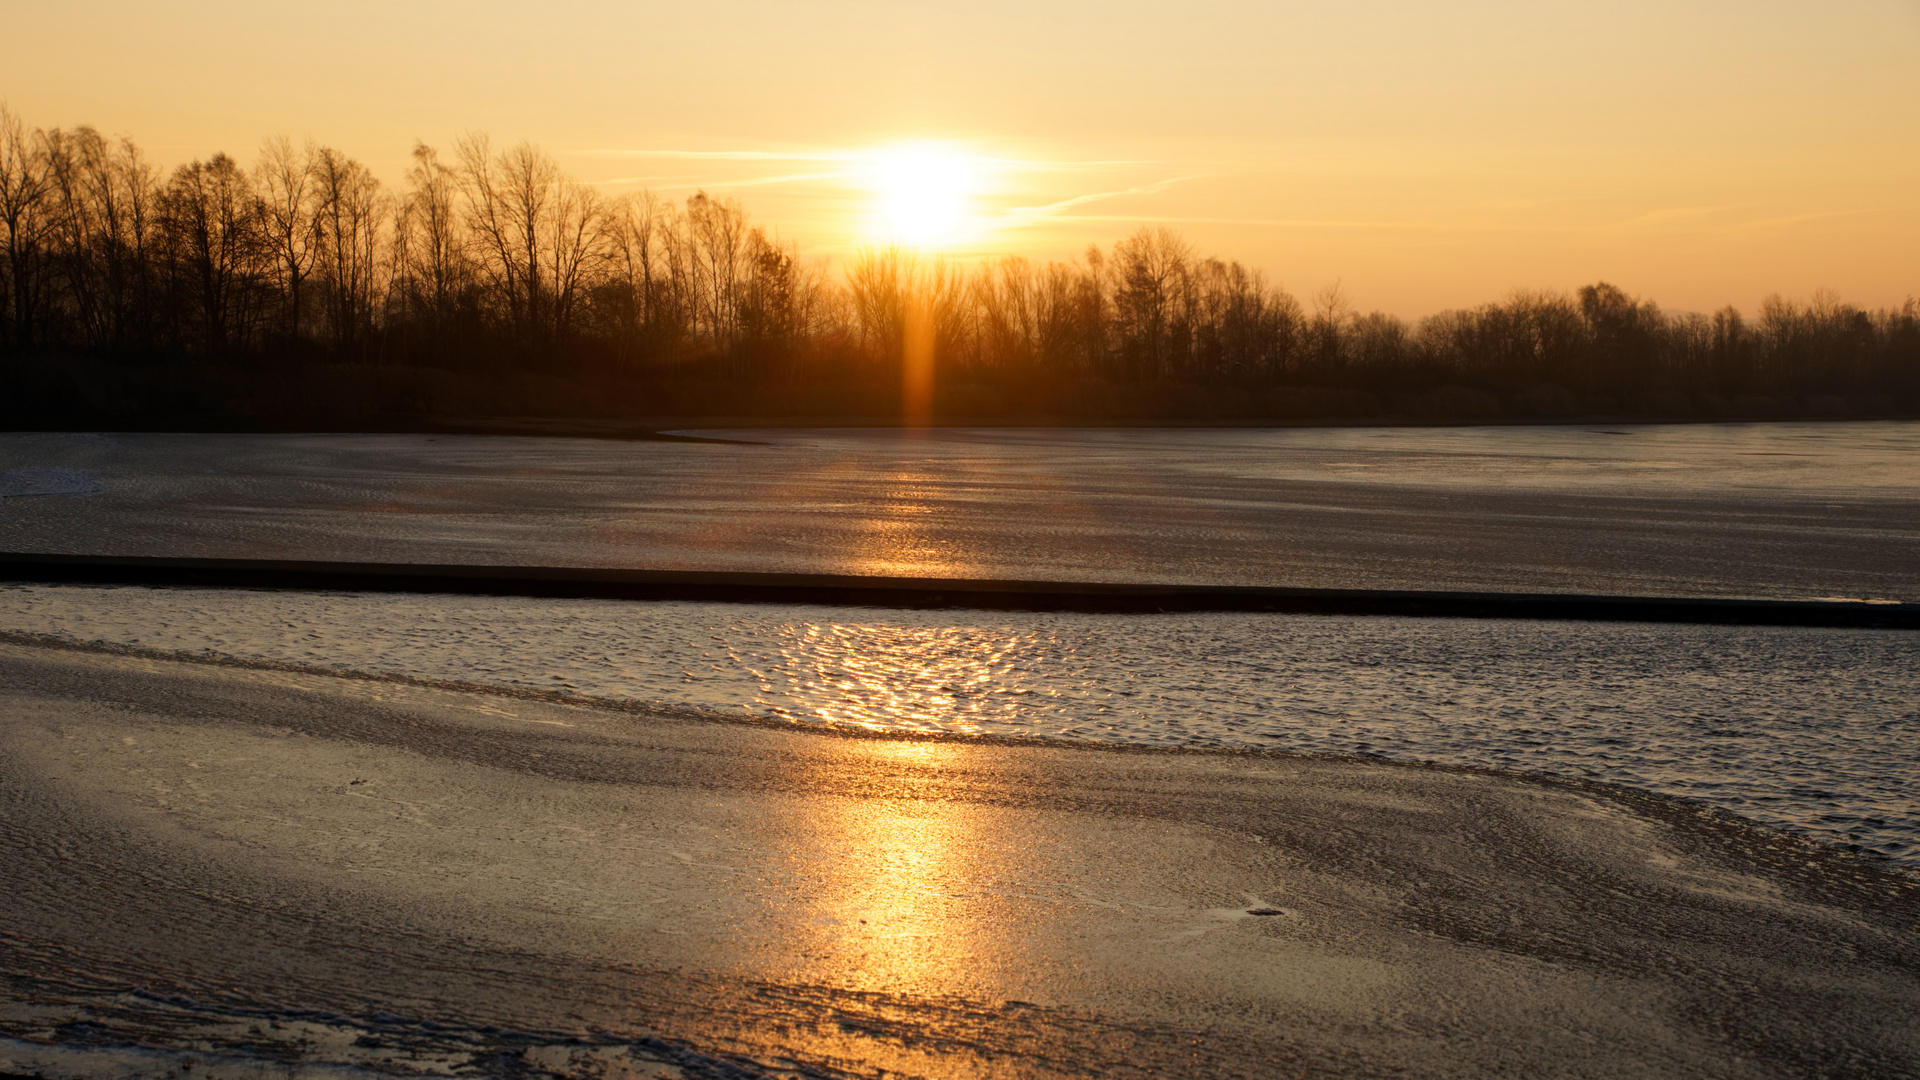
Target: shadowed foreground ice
x=215, y=870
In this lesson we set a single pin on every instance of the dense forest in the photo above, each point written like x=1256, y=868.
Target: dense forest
x=301, y=291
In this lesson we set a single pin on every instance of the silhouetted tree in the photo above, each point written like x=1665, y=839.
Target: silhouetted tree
x=508, y=196
x=1150, y=300
x=351, y=214
x=433, y=242
x=28, y=219
x=289, y=224
x=210, y=224
x=494, y=258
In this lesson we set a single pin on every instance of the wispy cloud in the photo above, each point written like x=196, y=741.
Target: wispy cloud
x=1045, y=165
x=681, y=180
x=853, y=155
x=835, y=172
x=1671, y=215
x=783, y=178
x=1723, y=220
x=1020, y=216
x=1277, y=223
x=728, y=155
x=1802, y=219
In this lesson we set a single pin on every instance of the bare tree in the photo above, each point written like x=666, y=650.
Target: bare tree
x=773, y=309
x=127, y=195
x=576, y=226
x=1331, y=311
x=508, y=195
x=209, y=216
x=103, y=195
x=498, y=252
x=289, y=225
x=716, y=232
x=1003, y=298
x=878, y=285
x=640, y=238
x=27, y=215
x=350, y=211
x=432, y=236
x=1151, y=270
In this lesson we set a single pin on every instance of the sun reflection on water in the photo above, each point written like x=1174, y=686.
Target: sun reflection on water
x=906, y=532
x=895, y=907
x=892, y=678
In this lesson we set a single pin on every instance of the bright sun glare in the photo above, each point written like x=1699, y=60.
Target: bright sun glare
x=923, y=193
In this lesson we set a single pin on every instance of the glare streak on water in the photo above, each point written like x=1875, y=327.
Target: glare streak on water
x=1816, y=730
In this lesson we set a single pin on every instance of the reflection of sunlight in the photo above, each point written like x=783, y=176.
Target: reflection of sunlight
x=901, y=678
x=895, y=906
x=901, y=533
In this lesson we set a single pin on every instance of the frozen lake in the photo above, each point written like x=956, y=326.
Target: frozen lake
x=1813, y=730
x=1765, y=510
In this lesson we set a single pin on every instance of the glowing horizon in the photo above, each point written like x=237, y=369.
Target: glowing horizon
x=1425, y=156
x=948, y=197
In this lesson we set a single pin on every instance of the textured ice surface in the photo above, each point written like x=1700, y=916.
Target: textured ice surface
x=333, y=873
x=47, y=480
x=1815, y=729
x=1778, y=510
x=1812, y=729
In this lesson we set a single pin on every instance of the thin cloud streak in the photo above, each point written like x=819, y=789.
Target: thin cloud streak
x=724, y=155
x=1279, y=223
x=1679, y=219
x=1646, y=223
x=1020, y=216
x=863, y=154
x=670, y=182
x=1801, y=219
x=844, y=167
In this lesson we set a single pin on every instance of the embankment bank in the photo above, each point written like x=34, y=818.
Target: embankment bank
x=288, y=394
x=249, y=864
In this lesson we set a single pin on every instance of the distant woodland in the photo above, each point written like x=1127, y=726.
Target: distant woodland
x=300, y=292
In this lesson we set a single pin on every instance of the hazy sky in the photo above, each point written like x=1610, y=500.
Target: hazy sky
x=1425, y=154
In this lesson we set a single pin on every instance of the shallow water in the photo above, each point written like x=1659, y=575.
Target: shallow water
x=1772, y=510
x=1815, y=730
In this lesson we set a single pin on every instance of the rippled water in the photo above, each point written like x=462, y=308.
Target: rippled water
x=1817, y=730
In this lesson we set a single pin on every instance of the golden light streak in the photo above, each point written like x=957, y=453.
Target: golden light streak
x=917, y=378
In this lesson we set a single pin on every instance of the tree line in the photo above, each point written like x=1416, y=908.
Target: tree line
x=491, y=282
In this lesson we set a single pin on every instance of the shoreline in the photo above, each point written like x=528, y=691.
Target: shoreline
x=988, y=594
x=674, y=428
x=386, y=852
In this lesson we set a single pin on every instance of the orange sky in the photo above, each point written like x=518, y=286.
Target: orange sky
x=1424, y=154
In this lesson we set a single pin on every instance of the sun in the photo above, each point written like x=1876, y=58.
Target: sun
x=923, y=193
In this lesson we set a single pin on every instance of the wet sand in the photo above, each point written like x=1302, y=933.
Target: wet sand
x=253, y=867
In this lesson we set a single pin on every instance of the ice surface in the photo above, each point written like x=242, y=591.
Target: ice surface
x=1771, y=510
x=47, y=480
x=1817, y=730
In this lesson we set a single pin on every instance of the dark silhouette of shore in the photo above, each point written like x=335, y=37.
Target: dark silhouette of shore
x=300, y=293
